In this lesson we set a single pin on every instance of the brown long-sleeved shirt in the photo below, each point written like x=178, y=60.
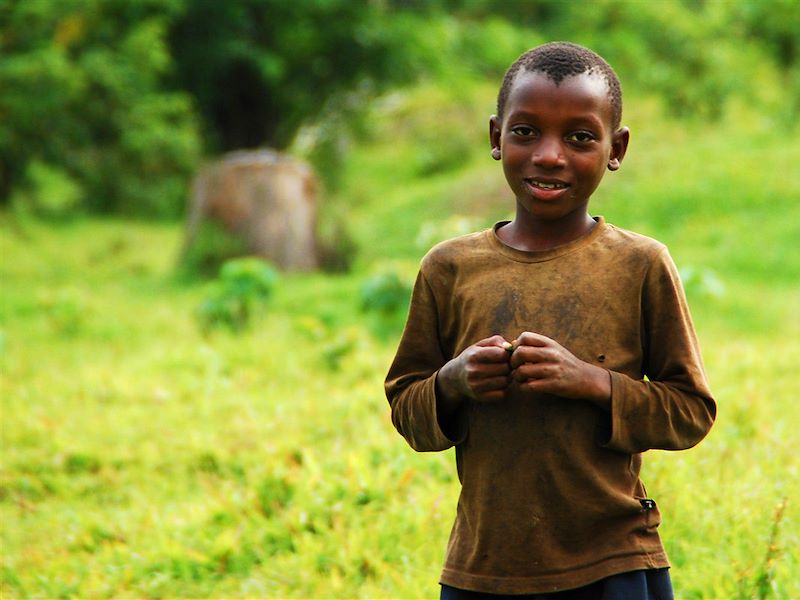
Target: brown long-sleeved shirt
x=551, y=497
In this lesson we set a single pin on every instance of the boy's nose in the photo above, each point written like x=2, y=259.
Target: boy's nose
x=548, y=154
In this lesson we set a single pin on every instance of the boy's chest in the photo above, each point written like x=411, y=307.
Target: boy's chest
x=593, y=314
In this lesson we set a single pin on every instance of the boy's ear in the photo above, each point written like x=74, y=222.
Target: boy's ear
x=619, y=145
x=495, y=128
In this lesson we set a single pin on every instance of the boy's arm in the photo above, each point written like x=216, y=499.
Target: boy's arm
x=411, y=382
x=672, y=409
x=426, y=391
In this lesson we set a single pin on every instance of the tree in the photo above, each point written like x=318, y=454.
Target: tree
x=83, y=95
x=260, y=69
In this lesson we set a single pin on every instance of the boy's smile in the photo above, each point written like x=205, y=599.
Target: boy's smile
x=555, y=142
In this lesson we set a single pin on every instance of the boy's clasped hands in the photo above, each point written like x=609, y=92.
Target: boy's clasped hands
x=534, y=362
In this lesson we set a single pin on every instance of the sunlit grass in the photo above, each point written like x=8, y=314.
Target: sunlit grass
x=141, y=458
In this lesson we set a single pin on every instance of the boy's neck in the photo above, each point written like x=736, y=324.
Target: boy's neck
x=534, y=235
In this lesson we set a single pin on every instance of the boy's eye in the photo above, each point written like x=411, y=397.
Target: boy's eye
x=523, y=130
x=580, y=137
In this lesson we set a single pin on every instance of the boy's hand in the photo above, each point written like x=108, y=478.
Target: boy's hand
x=541, y=364
x=481, y=372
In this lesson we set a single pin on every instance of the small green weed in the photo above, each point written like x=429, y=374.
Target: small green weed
x=244, y=285
x=763, y=579
x=67, y=311
x=209, y=248
x=385, y=296
x=49, y=192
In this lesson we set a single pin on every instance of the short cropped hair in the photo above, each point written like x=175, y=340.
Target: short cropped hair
x=559, y=60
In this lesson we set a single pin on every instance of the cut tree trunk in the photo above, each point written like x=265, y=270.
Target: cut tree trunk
x=263, y=199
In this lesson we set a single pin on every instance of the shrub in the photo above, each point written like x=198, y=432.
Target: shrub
x=211, y=246
x=385, y=293
x=47, y=192
x=244, y=285
x=385, y=296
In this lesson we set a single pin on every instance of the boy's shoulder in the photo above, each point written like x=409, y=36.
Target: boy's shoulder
x=457, y=249
x=625, y=240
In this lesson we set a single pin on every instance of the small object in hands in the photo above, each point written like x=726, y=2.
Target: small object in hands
x=508, y=347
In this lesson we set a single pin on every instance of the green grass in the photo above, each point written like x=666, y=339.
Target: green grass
x=141, y=458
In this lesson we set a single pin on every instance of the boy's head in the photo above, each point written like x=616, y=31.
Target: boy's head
x=559, y=60
x=557, y=130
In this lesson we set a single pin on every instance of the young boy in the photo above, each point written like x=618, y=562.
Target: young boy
x=552, y=351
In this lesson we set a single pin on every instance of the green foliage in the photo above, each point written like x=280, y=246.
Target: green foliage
x=274, y=494
x=385, y=293
x=67, y=311
x=764, y=580
x=81, y=463
x=334, y=342
x=774, y=25
x=211, y=245
x=385, y=297
x=336, y=246
x=84, y=92
x=264, y=464
x=47, y=192
x=262, y=69
x=244, y=286
x=702, y=282
x=116, y=100
x=271, y=468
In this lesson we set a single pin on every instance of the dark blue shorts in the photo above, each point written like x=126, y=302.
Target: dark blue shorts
x=651, y=584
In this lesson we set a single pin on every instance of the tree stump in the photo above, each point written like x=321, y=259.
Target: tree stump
x=265, y=201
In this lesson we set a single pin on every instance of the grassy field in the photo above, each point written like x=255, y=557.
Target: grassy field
x=143, y=458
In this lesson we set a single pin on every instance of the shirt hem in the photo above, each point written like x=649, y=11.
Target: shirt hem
x=553, y=582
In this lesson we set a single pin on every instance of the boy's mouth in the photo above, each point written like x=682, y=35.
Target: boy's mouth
x=546, y=185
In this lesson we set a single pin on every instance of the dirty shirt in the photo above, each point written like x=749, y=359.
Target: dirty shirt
x=551, y=497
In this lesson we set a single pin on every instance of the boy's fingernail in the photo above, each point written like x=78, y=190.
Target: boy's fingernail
x=508, y=346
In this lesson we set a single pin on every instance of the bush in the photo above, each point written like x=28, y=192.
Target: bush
x=336, y=248
x=47, y=192
x=385, y=296
x=83, y=89
x=244, y=285
x=385, y=293
x=211, y=246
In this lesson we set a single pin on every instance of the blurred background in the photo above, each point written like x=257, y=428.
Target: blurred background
x=211, y=215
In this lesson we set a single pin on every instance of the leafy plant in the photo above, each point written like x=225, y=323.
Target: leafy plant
x=47, y=192
x=766, y=573
x=211, y=246
x=66, y=311
x=244, y=285
x=702, y=282
x=109, y=123
x=385, y=295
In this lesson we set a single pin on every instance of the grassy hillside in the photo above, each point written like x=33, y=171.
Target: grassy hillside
x=143, y=458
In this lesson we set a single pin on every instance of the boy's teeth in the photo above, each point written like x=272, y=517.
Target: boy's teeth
x=548, y=186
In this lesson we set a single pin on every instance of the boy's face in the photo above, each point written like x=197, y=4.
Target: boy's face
x=555, y=142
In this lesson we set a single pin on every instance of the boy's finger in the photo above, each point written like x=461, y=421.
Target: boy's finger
x=529, y=371
x=495, y=340
x=492, y=354
x=491, y=369
x=528, y=354
x=529, y=338
x=495, y=383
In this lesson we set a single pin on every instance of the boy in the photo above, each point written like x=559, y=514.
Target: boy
x=552, y=351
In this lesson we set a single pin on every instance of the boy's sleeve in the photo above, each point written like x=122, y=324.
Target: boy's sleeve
x=411, y=382
x=672, y=409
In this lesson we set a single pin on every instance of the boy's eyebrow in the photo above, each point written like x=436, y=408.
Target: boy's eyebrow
x=590, y=117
